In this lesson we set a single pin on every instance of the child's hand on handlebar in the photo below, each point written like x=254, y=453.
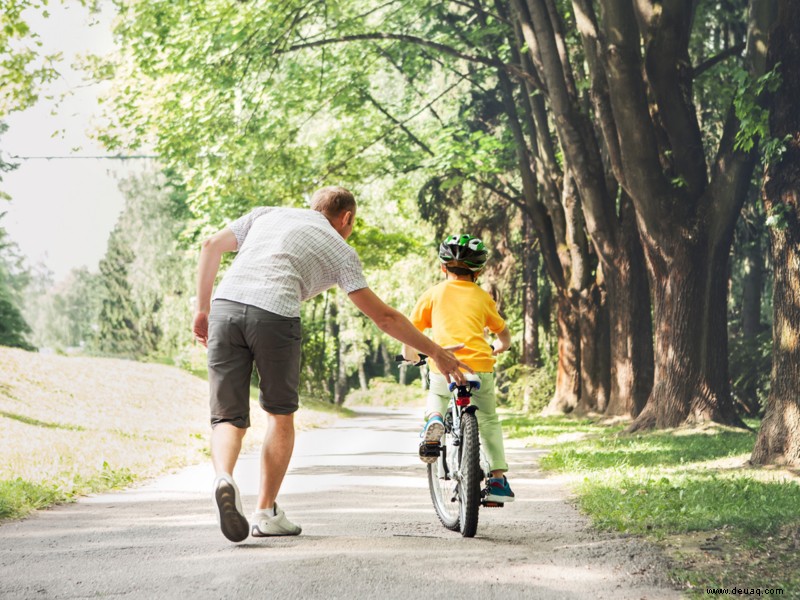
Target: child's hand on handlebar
x=410, y=354
x=498, y=346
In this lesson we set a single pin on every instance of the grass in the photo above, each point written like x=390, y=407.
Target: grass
x=77, y=425
x=723, y=523
x=19, y=497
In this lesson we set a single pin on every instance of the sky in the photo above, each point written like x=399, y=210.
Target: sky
x=62, y=210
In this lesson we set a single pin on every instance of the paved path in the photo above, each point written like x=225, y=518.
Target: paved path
x=369, y=531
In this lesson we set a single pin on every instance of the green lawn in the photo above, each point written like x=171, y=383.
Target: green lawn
x=691, y=490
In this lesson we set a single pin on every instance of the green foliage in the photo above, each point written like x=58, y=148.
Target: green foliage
x=18, y=497
x=778, y=216
x=387, y=392
x=22, y=68
x=13, y=279
x=146, y=278
x=65, y=315
x=750, y=363
x=530, y=389
x=753, y=118
x=117, y=331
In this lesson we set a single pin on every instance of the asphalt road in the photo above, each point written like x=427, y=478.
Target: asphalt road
x=369, y=531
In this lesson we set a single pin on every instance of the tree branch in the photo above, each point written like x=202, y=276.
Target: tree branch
x=644, y=178
x=715, y=60
x=399, y=124
x=515, y=70
x=669, y=72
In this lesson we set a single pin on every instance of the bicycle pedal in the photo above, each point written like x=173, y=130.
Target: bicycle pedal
x=430, y=450
x=493, y=504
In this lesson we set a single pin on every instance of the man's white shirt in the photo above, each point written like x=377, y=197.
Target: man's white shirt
x=286, y=256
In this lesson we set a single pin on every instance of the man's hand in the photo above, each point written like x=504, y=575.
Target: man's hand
x=200, y=327
x=450, y=366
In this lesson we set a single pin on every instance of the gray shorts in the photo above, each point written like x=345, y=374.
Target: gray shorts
x=238, y=336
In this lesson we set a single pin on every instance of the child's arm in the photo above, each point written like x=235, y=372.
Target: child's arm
x=503, y=341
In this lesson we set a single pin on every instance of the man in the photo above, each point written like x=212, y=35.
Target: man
x=285, y=256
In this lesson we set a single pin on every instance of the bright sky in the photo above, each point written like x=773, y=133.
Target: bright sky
x=62, y=210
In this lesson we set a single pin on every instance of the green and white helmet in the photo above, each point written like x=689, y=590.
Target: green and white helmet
x=464, y=248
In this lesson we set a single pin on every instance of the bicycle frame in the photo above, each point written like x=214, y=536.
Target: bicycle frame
x=460, y=402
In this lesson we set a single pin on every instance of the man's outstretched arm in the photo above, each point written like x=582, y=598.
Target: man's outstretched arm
x=399, y=327
x=211, y=253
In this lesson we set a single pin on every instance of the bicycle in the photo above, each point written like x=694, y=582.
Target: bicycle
x=455, y=478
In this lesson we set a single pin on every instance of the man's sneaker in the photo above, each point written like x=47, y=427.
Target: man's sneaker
x=431, y=437
x=232, y=522
x=498, y=490
x=264, y=526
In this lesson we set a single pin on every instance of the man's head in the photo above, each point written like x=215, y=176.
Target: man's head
x=339, y=207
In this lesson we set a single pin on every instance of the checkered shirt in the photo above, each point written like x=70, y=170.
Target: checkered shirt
x=285, y=256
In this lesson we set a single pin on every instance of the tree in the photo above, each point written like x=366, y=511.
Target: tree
x=13, y=279
x=22, y=69
x=779, y=437
x=117, y=322
x=685, y=209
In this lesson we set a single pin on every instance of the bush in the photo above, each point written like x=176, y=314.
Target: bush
x=750, y=364
x=384, y=391
x=529, y=389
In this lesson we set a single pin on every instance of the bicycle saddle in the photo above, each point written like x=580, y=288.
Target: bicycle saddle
x=473, y=380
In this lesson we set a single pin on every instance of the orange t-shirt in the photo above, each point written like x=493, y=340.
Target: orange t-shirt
x=457, y=312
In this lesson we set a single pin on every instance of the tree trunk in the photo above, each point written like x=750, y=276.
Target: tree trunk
x=691, y=383
x=568, y=383
x=362, y=375
x=339, y=374
x=779, y=437
x=530, y=297
x=387, y=360
x=752, y=288
x=595, y=372
x=631, y=324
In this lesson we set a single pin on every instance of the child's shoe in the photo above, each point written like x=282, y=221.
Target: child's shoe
x=431, y=437
x=498, y=490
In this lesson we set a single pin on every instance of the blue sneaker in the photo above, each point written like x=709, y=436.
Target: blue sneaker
x=431, y=438
x=498, y=490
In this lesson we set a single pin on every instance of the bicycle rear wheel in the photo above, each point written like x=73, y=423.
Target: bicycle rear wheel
x=442, y=480
x=469, y=489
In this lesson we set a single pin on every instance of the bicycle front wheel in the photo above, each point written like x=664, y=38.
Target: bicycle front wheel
x=469, y=489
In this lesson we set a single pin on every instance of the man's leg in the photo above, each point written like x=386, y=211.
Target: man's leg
x=276, y=452
x=226, y=443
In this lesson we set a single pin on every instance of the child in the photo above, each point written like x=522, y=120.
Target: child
x=458, y=310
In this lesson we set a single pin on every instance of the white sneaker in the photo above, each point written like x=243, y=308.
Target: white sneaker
x=231, y=519
x=263, y=526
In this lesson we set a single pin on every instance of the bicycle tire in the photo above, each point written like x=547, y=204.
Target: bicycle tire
x=470, y=471
x=443, y=486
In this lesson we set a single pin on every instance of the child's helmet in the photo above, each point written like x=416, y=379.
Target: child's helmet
x=463, y=248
